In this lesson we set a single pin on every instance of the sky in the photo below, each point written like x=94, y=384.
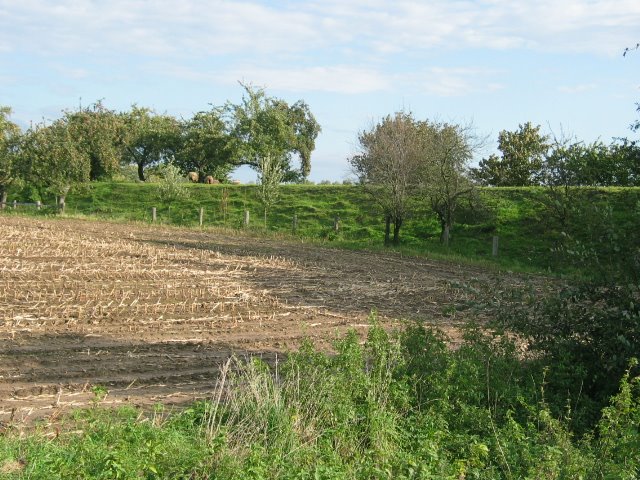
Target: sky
x=493, y=64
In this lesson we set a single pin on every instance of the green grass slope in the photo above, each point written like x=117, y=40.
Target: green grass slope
x=537, y=230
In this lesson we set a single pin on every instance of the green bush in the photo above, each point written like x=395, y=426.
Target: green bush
x=172, y=185
x=587, y=333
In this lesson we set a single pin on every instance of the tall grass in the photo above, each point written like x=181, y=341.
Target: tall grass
x=396, y=406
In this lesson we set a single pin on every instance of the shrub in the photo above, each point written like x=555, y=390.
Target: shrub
x=586, y=333
x=172, y=184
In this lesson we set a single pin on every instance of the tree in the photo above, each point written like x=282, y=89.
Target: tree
x=523, y=153
x=448, y=149
x=624, y=163
x=388, y=167
x=149, y=138
x=270, y=177
x=597, y=164
x=573, y=163
x=98, y=134
x=563, y=169
x=53, y=160
x=305, y=131
x=205, y=146
x=264, y=126
x=9, y=147
x=570, y=164
x=266, y=132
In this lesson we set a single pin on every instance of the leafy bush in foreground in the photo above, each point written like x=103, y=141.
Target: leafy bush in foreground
x=402, y=406
x=589, y=332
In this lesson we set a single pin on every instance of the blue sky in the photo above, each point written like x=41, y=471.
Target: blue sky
x=495, y=63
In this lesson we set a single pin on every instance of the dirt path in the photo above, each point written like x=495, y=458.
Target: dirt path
x=150, y=313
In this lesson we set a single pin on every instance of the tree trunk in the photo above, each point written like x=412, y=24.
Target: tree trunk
x=61, y=202
x=445, y=233
x=387, y=229
x=141, y=172
x=396, y=230
x=3, y=198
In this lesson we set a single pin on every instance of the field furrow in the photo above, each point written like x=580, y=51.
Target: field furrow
x=150, y=313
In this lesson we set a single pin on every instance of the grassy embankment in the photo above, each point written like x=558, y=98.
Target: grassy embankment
x=533, y=235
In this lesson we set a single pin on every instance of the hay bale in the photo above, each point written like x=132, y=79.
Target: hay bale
x=193, y=177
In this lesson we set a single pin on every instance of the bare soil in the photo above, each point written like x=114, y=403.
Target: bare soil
x=150, y=312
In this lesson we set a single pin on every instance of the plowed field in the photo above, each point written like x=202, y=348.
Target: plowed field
x=149, y=312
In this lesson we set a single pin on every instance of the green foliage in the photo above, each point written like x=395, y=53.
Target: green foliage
x=396, y=406
x=264, y=126
x=97, y=133
x=622, y=167
x=595, y=164
x=266, y=131
x=206, y=147
x=589, y=332
x=112, y=444
x=619, y=431
x=444, y=185
x=172, y=184
x=530, y=158
x=9, y=147
x=598, y=238
x=523, y=153
x=53, y=160
x=149, y=138
x=404, y=161
x=388, y=168
x=270, y=177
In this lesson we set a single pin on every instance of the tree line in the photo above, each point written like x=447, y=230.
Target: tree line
x=528, y=158
x=404, y=161
x=94, y=142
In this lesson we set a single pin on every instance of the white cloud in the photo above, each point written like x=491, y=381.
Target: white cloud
x=334, y=79
x=581, y=88
x=348, y=79
x=148, y=27
x=452, y=82
x=74, y=73
x=602, y=26
x=194, y=28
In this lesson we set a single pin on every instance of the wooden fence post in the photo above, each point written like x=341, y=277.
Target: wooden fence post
x=153, y=214
x=294, y=225
x=246, y=218
x=15, y=204
x=201, y=215
x=336, y=223
x=494, y=249
x=38, y=204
